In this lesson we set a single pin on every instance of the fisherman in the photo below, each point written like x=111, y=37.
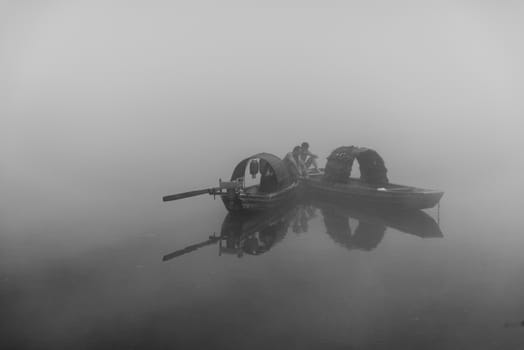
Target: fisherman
x=308, y=158
x=294, y=164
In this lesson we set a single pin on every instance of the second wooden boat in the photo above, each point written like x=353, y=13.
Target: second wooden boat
x=372, y=188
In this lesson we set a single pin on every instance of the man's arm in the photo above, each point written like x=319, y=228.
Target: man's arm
x=311, y=154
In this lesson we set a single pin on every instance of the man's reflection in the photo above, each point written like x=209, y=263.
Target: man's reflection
x=302, y=214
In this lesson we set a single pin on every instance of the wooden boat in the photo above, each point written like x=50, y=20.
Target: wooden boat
x=275, y=186
x=373, y=187
x=357, y=191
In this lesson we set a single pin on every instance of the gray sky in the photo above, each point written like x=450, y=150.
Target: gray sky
x=94, y=87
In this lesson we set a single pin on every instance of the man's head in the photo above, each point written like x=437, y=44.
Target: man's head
x=305, y=145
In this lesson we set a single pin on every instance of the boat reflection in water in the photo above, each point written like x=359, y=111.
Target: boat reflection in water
x=251, y=233
x=254, y=234
x=257, y=233
x=372, y=224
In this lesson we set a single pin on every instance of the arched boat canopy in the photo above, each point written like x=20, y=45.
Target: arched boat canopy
x=340, y=163
x=267, y=162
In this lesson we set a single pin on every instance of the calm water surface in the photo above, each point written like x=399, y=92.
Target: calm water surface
x=110, y=271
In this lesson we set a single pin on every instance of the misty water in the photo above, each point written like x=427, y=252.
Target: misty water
x=107, y=108
x=85, y=270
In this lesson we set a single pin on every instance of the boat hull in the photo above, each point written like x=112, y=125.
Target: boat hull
x=254, y=202
x=391, y=195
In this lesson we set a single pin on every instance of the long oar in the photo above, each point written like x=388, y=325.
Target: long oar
x=174, y=197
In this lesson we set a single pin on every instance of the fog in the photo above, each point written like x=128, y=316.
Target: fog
x=105, y=107
x=154, y=97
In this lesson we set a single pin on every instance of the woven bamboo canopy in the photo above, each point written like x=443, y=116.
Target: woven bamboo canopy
x=340, y=163
x=267, y=162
